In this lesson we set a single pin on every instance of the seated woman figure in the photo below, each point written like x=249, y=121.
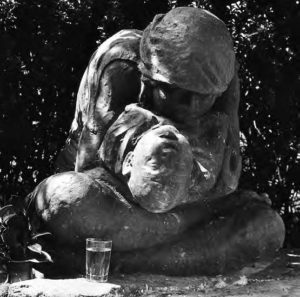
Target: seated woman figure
x=159, y=179
x=139, y=196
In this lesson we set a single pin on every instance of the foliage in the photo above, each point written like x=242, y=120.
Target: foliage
x=18, y=241
x=45, y=46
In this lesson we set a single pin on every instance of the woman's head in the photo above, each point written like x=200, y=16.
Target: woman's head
x=189, y=48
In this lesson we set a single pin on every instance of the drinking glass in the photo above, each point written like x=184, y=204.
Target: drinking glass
x=97, y=259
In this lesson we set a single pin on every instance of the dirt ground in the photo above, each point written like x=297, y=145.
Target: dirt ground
x=279, y=278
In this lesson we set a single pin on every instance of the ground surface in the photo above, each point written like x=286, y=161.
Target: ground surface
x=281, y=278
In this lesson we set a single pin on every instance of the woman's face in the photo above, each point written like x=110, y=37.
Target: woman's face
x=180, y=105
x=160, y=169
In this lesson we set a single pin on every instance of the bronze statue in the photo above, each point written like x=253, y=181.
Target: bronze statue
x=152, y=160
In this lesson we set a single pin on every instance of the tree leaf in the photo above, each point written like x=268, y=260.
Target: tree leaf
x=8, y=217
x=39, y=235
x=6, y=210
x=33, y=260
x=36, y=248
x=48, y=258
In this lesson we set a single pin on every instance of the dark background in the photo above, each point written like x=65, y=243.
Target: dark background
x=46, y=45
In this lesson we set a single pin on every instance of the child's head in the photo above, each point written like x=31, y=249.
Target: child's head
x=159, y=169
x=151, y=156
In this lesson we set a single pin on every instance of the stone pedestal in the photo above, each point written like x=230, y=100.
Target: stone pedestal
x=60, y=288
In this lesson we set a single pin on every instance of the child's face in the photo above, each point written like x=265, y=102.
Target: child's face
x=159, y=169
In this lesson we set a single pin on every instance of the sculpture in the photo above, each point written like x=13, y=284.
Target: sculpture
x=155, y=148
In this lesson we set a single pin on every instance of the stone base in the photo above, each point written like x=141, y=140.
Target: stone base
x=60, y=288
